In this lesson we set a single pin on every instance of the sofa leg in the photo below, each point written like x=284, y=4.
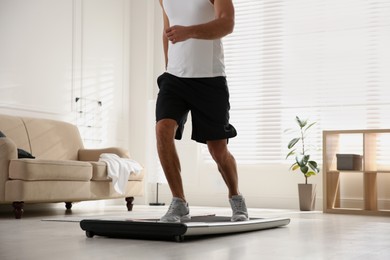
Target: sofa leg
x=18, y=209
x=129, y=203
x=68, y=205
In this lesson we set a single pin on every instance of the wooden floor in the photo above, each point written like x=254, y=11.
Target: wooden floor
x=43, y=234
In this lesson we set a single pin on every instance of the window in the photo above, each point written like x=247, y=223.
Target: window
x=326, y=61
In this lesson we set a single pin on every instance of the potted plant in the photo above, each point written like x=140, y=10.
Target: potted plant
x=302, y=162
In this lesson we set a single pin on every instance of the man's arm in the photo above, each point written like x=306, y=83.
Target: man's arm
x=164, y=35
x=221, y=26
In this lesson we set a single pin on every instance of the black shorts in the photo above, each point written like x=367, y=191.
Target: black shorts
x=206, y=98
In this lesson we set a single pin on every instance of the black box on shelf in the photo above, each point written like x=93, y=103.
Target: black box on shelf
x=350, y=162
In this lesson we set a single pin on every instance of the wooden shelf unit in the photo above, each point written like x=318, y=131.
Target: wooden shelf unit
x=332, y=198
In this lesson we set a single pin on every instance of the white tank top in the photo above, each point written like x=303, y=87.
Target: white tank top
x=193, y=58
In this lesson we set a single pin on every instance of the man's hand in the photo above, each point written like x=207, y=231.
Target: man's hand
x=178, y=33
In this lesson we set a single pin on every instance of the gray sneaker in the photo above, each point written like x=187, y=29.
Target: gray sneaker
x=240, y=213
x=178, y=212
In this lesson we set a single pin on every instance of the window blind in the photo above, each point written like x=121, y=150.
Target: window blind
x=326, y=61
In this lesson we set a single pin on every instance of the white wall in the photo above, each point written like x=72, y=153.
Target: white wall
x=53, y=51
x=36, y=55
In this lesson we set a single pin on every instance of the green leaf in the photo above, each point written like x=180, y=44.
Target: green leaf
x=302, y=160
x=309, y=126
x=290, y=153
x=300, y=122
x=304, y=169
x=293, y=142
x=313, y=165
x=311, y=173
x=294, y=166
x=298, y=160
x=306, y=159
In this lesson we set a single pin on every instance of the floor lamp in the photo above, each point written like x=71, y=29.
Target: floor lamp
x=156, y=203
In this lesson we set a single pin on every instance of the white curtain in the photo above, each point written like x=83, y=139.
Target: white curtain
x=326, y=61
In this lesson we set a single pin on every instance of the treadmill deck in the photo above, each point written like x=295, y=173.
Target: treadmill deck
x=197, y=226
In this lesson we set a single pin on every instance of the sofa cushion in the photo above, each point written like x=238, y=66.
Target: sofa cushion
x=33, y=170
x=100, y=173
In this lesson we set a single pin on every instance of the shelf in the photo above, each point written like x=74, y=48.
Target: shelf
x=347, y=171
x=346, y=189
x=379, y=171
x=358, y=211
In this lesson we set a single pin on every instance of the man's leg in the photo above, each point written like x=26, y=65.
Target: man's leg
x=226, y=164
x=178, y=210
x=228, y=169
x=165, y=134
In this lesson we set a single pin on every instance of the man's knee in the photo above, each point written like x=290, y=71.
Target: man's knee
x=218, y=150
x=165, y=128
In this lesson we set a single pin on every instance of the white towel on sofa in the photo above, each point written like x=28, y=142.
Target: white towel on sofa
x=119, y=170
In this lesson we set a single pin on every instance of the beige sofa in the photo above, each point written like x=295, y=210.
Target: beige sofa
x=62, y=171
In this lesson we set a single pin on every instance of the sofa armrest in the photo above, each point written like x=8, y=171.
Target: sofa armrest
x=8, y=151
x=94, y=154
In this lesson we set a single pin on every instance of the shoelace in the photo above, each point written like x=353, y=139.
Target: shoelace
x=238, y=205
x=172, y=207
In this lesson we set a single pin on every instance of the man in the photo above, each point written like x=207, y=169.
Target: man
x=195, y=81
